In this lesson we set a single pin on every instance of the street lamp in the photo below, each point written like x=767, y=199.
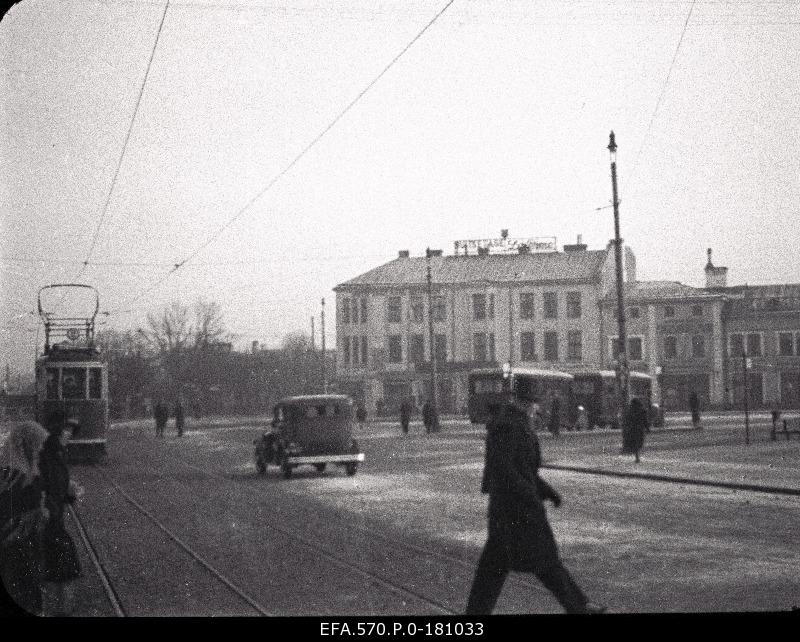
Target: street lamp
x=431, y=343
x=622, y=370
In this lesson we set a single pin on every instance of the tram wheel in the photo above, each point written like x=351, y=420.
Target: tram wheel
x=320, y=467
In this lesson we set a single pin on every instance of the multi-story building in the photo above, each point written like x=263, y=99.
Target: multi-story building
x=539, y=309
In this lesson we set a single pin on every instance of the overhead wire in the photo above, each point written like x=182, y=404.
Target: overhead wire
x=214, y=236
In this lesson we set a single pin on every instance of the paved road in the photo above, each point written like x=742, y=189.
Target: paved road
x=403, y=535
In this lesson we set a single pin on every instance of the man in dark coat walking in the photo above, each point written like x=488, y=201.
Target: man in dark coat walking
x=634, y=428
x=520, y=538
x=694, y=406
x=179, y=418
x=405, y=415
x=160, y=414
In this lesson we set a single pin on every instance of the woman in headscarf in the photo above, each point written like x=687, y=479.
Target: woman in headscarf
x=60, y=559
x=22, y=515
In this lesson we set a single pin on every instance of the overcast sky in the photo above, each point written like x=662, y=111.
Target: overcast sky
x=496, y=117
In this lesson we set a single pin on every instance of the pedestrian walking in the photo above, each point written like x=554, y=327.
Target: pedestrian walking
x=634, y=427
x=22, y=515
x=554, y=426
x=161, y=418
x=361, y=415
x=405, y=415
x=520, y=537
x=60, y=566
x=535, y=420
x=179, y=418
x=694, y=406
x=426, y=415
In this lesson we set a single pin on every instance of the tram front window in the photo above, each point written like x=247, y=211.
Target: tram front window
x=95, y=383
x=52, y=383
x=73, y=383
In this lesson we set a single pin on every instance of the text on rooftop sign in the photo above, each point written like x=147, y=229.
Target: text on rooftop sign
x=503, y=245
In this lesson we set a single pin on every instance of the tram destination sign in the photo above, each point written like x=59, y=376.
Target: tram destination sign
x=505, y=245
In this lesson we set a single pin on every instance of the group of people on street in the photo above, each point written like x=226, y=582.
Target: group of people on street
x=161, y=415
x=430, y=417
x=38, y=559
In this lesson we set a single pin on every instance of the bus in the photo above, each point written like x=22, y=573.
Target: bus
x=596, y=392
x=486, y=387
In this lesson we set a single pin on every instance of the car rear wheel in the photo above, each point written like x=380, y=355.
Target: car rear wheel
x=351, y=468
x=320, y=467
x=261, y=467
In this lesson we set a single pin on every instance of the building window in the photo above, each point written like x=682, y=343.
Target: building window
x=417, y=310
x=785, y=347
x=479, y=347
x=670, y=347
x=363, y=310
x=491, y=306
x=551, y=346
x=345, y=310
x=573, y=305
x=346, y=350
x=574, y=348
x=437, y=303
x=395, y=349
x=635, y=349
x=697, y=310
x=526, y=308
x=550, y=305
x=416, y=351
x=441, y=348
x=669, y=311
x=634, y=313
x=478, y=307
x=394, y=309
x=491, y=346
x=527, y=346
x=698, y=346
x=363, y=350
x=355, y=350
x=754, y=345
x=735, y=345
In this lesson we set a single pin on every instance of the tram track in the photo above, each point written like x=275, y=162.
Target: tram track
x=399, y=590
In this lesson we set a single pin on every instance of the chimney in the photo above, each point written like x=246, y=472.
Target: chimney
x=716, y=277
x=403, y=254
x=483, y=251
x=255, y=346
x=436, y=252
x=578, y=247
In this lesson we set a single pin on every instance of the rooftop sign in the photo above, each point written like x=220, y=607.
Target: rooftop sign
x=505, y=245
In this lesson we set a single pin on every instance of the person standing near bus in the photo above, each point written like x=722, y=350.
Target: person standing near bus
x=555, y=416
x=635, y=426
x=694, y=406
x=520, y=537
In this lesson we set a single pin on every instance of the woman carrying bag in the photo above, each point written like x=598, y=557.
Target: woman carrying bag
x=60, y=559
x=22, y=515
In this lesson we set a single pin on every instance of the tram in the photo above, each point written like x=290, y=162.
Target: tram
x=596, y=392
x=71, y=376
x=486, y=386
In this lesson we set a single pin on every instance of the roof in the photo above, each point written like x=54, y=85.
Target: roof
x=473, y=268
x=643, y=290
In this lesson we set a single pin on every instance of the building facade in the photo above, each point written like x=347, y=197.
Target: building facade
x=539, y=309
